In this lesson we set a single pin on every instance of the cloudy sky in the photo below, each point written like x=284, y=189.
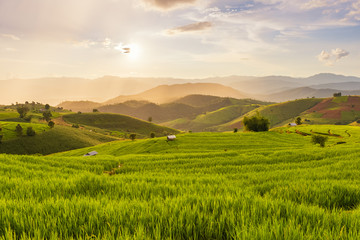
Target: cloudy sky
x=178, y=38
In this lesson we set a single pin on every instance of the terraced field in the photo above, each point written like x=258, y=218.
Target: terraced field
x=272, y=185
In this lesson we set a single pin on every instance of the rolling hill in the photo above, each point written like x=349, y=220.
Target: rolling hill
x=170, y=93
x=47, y=141
x=123, y=125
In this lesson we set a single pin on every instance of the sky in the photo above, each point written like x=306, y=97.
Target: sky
x=178, y=38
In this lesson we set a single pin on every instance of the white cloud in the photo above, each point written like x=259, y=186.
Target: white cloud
x=11, y=36
x=329, y=58
x=168, y=4
x=194, y=27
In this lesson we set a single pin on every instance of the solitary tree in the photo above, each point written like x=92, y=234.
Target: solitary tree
x=22, y=110
x=30, y=131
x=95, y=110
x=19, y=130
x=132, y=136
x=47, y=106
x=152, y=135
x=235, y=130
x=51, y=124
x=256, y=123
x=319, y=139
x=298, y=121
x=47, y=115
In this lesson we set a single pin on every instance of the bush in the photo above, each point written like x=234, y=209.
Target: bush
x=319, y=139
x=1, y=136
x=30, y=131
x=75, y=125
x=298, y=121
x=51, y=124
x=235, y=130
x=152, y=135
x=256, y=123
x=19, y=130
x=132, y=136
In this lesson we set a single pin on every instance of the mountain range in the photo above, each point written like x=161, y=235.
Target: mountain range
x=112, y=89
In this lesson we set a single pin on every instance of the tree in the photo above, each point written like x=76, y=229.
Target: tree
x=235, y=130
x=22, y=110
x=319, y=139
x=30, y=131
x=47, y=115
x=150, y=119
x=95, y=110
x=256, y=123
x=19, y=130
x=152, y=135
x=51, y=124
x=132, y=136
x=47, y=106
x=298, y=121
x=1, y=136
x=338, y=94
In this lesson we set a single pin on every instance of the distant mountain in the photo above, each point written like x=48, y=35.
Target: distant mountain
x=305, y=92
x=343, y=86
x=169, y=93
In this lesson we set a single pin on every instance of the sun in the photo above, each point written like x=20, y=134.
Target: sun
x=130, y=50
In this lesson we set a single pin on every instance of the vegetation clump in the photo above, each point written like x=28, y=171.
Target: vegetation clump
x=30, y=131
x=22, y=110
x=298, y=121
x=256, y=123
x=132, y=136
x=318, y=139
x=51, y=124
x=19, y=130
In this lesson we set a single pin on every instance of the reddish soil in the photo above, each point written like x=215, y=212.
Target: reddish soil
x=323, y=107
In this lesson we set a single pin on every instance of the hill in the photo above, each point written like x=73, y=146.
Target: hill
x=201, y=186
x=169, y=93
x=122, y=124
x=306, y=92
x=188, y=107
x=82, y=106
x=46, y=140
x=278, y=114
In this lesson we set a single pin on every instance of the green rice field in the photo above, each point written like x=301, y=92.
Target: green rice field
x=270, y=185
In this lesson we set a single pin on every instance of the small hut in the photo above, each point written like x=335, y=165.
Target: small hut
x=292, y=124
x=93, y=153
x=171, y=137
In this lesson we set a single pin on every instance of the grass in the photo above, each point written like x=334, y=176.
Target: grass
x=47, y=141
x=269, y=185
x=119, y=123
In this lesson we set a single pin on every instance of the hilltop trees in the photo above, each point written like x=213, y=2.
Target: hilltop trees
x=22, y=110
x=256, y=123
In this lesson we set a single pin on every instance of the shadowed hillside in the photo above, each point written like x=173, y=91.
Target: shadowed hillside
x=125, y=125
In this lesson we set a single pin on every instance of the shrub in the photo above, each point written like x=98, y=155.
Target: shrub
x=152, y=135
x=132, y=136
x=1, y=136
x=30, y=131
x=256, y=123
x=235, y=130
x=298, y=121
x=51, y=124
x=75, y=125
x=95, y=110
x=319, y=139
x=47, y=115
x=19, y=130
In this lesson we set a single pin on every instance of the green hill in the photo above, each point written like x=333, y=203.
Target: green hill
x=269, y=185
x=47, y=141
x=278, y=114
x=120, y=123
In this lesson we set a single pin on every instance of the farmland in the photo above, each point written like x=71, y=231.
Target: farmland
x=270, y=185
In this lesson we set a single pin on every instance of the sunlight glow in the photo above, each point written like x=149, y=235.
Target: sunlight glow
x=133, y=51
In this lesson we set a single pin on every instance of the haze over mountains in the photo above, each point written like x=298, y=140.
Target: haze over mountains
x=111, y=90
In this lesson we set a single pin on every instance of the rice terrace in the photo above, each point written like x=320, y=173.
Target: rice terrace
x=179, y=119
